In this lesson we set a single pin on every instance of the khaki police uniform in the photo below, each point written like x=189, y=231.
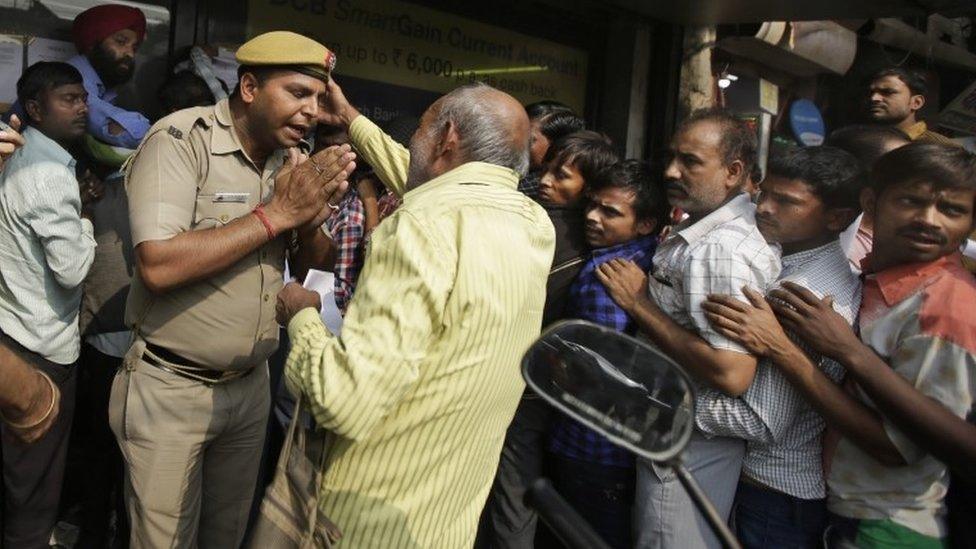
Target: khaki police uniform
x=193, y=443
x=190, y=406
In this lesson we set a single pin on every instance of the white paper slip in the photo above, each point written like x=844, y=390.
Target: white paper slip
x=323, y=283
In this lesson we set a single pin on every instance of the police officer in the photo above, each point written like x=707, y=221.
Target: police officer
x=214, y=194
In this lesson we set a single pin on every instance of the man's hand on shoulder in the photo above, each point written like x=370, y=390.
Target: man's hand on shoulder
x=753, y=325
x=626, y=283
x=815, y=321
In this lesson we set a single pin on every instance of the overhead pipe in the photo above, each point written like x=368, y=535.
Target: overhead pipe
x=898, y=34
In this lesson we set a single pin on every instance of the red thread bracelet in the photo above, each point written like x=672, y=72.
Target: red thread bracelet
x=259, y=211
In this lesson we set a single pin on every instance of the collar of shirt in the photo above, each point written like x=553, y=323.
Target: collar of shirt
x=472, y=172
x=224, y=140
x=90, y=75
x=623, y=249
x=916, y=130
x=902, y=281
x=42, y=145
x=799, y=259
x=739, y=206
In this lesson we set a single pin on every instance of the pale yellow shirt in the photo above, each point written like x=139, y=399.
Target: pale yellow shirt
x=425, y=379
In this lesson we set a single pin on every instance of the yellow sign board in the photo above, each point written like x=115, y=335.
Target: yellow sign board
x=413, y=46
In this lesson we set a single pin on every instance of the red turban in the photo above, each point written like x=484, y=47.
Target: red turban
x=96, y=24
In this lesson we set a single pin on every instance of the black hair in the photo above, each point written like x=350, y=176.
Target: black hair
x=738, y=139
x=866, y=142
x=833, y=174
x=943, y=166
x=591, y=153
x=559, y=124
x=44, y=76
x=545, y=108
x=913, y=79
x=650, y=200
x=183, y=90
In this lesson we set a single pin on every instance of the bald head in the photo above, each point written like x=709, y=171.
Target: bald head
x=474, y=123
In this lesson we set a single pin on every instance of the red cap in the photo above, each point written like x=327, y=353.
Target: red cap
x=96, y=24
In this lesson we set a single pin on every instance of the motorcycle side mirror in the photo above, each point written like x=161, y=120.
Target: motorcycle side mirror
x=614, y=384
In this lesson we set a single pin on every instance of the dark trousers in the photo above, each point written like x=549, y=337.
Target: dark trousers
x=602, y=494
x=773, y=520
x=94, y=478
x=506, y=522
x=32, y=473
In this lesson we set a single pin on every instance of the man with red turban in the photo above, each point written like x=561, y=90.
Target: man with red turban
x=107, y=38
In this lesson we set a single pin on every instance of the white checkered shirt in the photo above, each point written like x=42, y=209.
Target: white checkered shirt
x=782, y=431
x=719, y=254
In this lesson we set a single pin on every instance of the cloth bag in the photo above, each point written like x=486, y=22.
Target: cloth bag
x=290, y=516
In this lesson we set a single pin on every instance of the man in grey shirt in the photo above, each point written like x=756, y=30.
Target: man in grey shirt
x=809, y=195
x=46, y=248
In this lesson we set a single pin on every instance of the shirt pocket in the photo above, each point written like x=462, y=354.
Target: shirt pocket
x=216, y=209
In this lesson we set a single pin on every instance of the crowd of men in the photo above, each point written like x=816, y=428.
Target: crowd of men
x=824, y=313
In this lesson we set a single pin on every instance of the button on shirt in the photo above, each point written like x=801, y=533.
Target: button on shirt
x=919, y=319
x=782, y=431
x=102, y=110
x=718, y=254
x=46, y=249
x=191, y=174
x=423, y=382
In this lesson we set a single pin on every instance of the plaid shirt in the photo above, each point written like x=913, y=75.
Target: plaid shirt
x=782, y=431
x=347, y=227
x=529, y=185
x=589, y=300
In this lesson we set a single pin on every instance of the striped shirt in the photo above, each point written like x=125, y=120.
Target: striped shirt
x=423, y=382
x=46, y=249
x=782, y=431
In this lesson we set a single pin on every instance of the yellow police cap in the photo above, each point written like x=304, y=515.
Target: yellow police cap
x=288, y=49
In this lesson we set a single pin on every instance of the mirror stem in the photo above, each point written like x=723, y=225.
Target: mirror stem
x=719, y=526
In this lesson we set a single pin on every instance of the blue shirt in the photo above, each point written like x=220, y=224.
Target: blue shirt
x=102, y=110
x=589, y=300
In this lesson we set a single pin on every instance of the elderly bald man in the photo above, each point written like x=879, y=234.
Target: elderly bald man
x=424, y=379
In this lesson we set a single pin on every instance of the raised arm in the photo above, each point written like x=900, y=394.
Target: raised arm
x=389, y=159
x=169, y=255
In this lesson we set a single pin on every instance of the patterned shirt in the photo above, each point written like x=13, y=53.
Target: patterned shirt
x=423, y=382
x=718, y=254
x=46, y=249
x=781, y=430
x=529, y=185
x=589, y=300
x=347, y=227
x=919, y=319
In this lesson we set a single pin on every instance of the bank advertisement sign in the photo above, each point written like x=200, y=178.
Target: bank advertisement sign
x=420, y=49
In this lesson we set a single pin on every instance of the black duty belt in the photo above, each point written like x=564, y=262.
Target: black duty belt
x=176, y=364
